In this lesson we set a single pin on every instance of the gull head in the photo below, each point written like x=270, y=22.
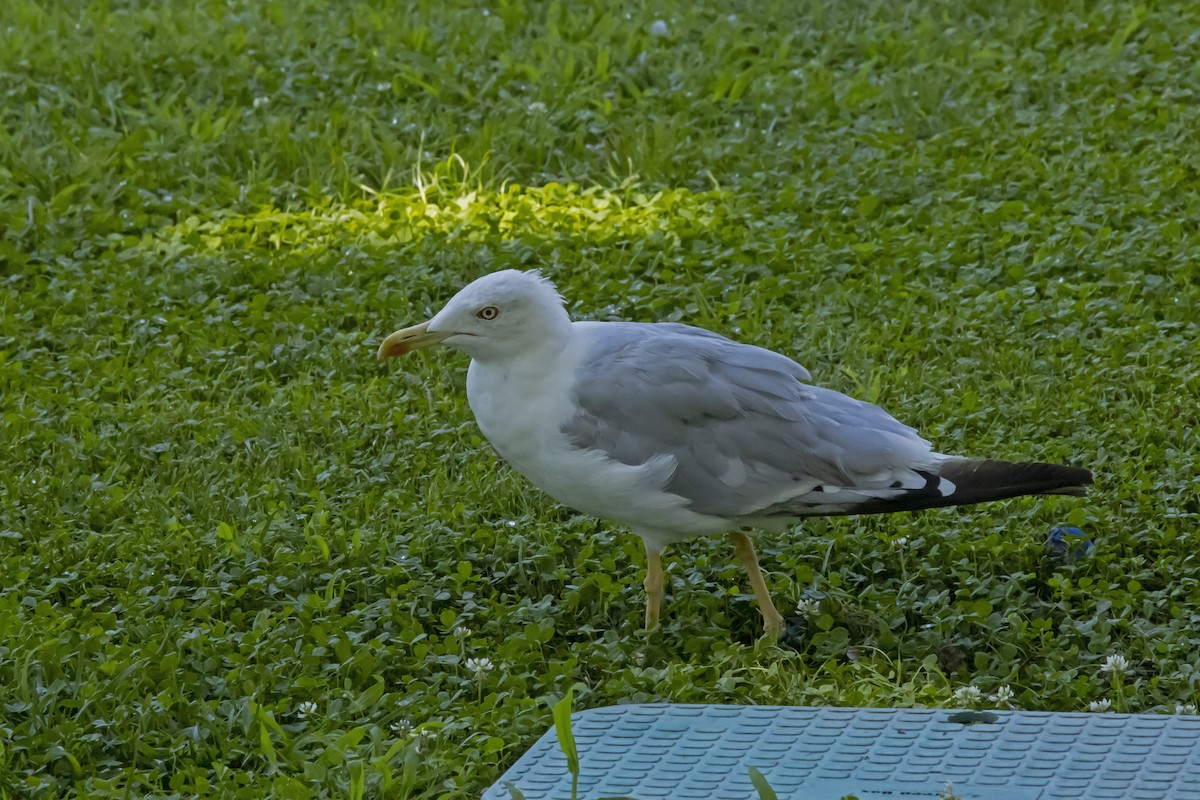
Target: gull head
x=498, y=316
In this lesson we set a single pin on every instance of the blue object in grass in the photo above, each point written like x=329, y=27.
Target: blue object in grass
x=705, y=752
x=1068, y=545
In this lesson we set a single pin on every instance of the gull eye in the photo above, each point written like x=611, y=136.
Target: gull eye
x=488, y=312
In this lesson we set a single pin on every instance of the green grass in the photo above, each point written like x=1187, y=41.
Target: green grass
x=216, y=506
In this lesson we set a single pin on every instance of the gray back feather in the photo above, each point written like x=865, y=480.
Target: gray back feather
x=741, y=423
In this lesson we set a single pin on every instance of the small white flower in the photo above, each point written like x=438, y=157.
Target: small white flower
x=383, y=86
x=902, y=541
x=659, y=28
x=807, y=607
x=480, y=666
x=1181, y=708
x=1117, y=665
x=461, y=631
x=424, y=738
x=306, y=710
x=968, y=694
x=261, y=101
x=537, y=107
x=1103, y=704
x=1003, y=695
x=401, y=727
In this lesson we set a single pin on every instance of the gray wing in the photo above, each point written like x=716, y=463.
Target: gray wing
x=749, y=437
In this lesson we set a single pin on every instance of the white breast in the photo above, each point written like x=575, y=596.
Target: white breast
x=520, y=407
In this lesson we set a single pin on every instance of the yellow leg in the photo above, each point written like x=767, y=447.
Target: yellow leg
x=654, y=587
x=743, y=548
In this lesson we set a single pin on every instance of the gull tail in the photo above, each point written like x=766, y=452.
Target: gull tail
x=962, y=481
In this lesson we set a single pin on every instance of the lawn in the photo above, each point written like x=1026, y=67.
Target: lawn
x=240, y=558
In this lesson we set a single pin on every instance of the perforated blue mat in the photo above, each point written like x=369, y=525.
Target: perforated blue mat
x=653, y=752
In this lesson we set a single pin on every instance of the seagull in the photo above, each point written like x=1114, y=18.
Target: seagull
x=678, y=432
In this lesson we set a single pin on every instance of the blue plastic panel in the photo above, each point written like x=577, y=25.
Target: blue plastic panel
x=692, y=752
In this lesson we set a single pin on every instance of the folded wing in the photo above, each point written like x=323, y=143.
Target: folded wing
x=749, y=437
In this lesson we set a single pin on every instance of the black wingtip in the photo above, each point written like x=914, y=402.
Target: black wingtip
x=963, y=481
x=987, y=479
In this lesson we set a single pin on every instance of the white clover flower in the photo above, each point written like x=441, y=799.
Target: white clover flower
x=383, y=86
x=306, y=709
x=808, y=607
x=1181, y=708
x=480, y=666
x=968, y=694
x=1103, y=704
x=401, y=727
x=1003, y=695
x=537, y=107
x=902, y=541
x=1117, y=665
x=424, y=738
x=659, y=28
x=461, y=631
x=261, y=101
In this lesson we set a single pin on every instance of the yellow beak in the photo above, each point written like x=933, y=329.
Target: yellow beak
x=408, y=339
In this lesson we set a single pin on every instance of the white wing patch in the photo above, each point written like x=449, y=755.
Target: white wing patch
x=735, y=472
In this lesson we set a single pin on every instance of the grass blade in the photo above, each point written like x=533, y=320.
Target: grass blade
x=765, y=792
x=566, y=739
x=516, y=793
